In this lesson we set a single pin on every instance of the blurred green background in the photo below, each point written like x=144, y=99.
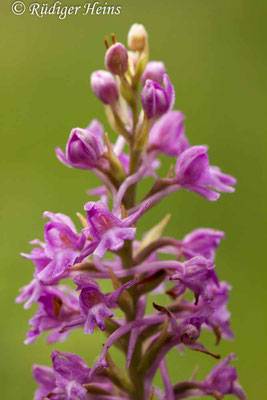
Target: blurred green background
x=215, y=53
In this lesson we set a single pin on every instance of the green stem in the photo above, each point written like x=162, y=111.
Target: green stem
x=126, y=255
x=136, y=377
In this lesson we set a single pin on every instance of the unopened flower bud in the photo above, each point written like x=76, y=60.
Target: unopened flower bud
x=84, y=149
x=104, y=86
x=157, y=100
x=137, y=37
x=116, y=59
x=154, y=70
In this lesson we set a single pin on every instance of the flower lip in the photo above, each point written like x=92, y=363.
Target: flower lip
x=95, y=306
x=100, y=219
x=108, y=231
x=222, y=379
x=56, y=307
